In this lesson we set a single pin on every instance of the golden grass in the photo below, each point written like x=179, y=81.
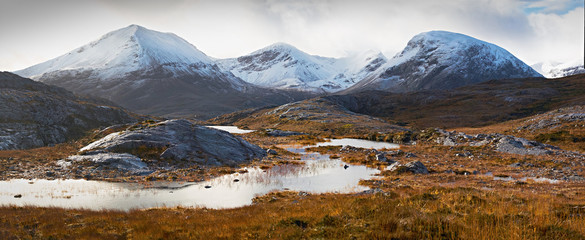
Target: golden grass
x=432, y=213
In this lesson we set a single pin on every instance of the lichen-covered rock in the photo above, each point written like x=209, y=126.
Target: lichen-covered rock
x=33, y=114
x=180, y=140
x=415, y=167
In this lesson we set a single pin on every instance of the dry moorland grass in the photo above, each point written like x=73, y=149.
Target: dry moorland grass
x=432, y=213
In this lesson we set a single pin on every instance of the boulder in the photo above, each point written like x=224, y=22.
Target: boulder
x=415, y=167
x=180, y=140
x=271, y=152
x=509, y=144
x=281, y=133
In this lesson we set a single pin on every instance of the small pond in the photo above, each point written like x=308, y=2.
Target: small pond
x=360, y=143
x=231, y=129
x=319, y=174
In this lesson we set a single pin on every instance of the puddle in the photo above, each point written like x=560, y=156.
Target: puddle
x=319, y=174
x=524, y=179
x=360, y=143
x=232, y=129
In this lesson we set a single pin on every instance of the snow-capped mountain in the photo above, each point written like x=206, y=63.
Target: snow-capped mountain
x=444, y=60
x=283, y=66
x=148, y=72
x=557, y=69
x=129, y=49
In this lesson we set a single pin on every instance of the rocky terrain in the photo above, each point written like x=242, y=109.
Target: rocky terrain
x=33, y=114
x=317, y=116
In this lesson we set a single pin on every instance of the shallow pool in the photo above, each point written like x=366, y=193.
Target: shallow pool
x=360, y=143
x=231, y=129
x=319, y=174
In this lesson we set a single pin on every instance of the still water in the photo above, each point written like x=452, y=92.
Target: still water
x=319, y=174
x=231, y=129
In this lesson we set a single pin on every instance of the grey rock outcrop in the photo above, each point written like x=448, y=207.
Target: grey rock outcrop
x=180, y=140
x=499, y=142
x=415, y=167
x=281, y=133
x=522, y=146
x=33, y=114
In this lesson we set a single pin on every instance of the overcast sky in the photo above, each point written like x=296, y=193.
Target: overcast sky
x=33, y=31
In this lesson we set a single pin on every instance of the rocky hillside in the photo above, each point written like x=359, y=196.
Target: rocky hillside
x=33, y=114
x=444, y=60
x=563, y=127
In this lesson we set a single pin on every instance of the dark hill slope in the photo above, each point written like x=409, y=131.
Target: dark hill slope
x=34, y=114
x=478, y=105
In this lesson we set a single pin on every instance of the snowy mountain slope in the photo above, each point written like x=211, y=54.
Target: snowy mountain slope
x=125, y=50
x=151, y=72
x=557, y=70
x=444, y=60
x=283, y=66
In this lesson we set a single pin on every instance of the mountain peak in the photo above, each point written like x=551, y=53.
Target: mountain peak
x=445, y=60
x=125, y=50
x=444, y=40
x=279, y=47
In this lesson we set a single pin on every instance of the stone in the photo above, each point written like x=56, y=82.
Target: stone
x=381, y=157
x=415, y=167
x=281, y=133
x=271, y=152
x=181, y=140
x=514, y=145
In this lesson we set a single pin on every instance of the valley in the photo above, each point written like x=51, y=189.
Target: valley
x=476, y=170
x=140, y=135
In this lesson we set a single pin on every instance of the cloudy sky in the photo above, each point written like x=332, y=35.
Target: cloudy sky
x=34, y=31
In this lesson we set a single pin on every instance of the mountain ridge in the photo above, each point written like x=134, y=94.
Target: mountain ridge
x=130, y=67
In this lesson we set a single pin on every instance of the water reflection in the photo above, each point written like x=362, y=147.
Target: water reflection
x=319, y=174
x=360, y=143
